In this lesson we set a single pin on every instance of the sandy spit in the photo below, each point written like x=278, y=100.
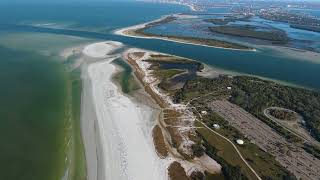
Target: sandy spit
x=126, y=32
x=116, y=130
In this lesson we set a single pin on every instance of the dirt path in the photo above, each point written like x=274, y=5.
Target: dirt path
x=295, y=159
x=225, y=138
x=300, y=131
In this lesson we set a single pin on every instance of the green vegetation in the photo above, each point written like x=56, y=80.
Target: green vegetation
x=219, y=176
x=227, y=19
x=283, y=114
x=255, y=95
x=125, y=78
x=159, y=59
x=252, y=94
x=219, y=21
x=203, y=41
x=225, y=154
x=274, y=35
x=163, y=21
x=315, y=151
x=166, y=68
x=263, y=163
x=165, y=74
x=199, y=87
x=201, y=91
x=294, y=19
x=208, y=42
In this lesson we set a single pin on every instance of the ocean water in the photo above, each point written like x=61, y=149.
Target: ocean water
x=103, y=17
x=40, y=97
x=196, y=27
x=32, y=116
x=35, y=83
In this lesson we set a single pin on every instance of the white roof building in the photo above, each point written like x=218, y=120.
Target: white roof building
x=204, y=112
x=240, y=142
x=216, y=126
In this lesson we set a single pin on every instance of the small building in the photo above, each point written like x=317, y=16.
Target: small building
x=204, y=112
x=240, y=142
x=216, y=126
x=229, y=88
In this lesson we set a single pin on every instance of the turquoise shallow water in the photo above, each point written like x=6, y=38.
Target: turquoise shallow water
x=196, y=27
x=39, y=130
x=33, y=93
x=264, y=63
x=32, y=116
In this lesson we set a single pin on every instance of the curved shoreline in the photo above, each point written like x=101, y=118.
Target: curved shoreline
x=179, y=150
x=115, y=128
x=132, y=29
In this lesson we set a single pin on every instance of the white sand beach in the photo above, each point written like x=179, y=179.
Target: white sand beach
x=116, y=130
x=102, y=49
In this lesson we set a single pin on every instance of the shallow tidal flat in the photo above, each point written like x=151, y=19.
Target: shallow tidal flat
x=32, y=117
x=40, y=109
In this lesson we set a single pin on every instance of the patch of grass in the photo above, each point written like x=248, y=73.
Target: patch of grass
x=177, y=172
x=225, y=150
x=164, y=74
x=262, y=162
x=170, y=59
x=214, y=176
x=159, y=143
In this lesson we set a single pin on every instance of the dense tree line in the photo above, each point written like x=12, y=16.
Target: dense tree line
x=255, y=95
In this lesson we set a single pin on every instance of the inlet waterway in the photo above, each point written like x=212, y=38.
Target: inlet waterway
x=265, y=62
